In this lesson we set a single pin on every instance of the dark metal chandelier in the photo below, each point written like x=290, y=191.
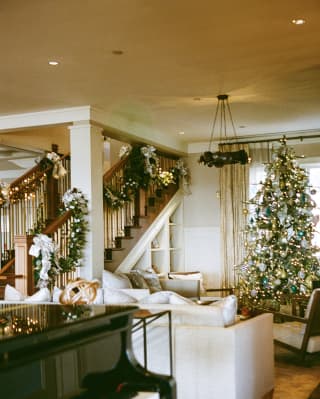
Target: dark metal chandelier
x=221, y=158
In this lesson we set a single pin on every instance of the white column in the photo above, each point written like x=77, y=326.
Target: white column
x=86, y=144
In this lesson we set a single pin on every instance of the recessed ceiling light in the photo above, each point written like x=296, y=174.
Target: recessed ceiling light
x=298, y=21
x=53, y=63
x=117, y=52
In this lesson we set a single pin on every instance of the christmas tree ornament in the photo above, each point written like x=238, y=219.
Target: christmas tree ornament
x=294, y=289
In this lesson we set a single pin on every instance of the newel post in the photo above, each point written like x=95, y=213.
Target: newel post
x=52, y=193
x=23, y=264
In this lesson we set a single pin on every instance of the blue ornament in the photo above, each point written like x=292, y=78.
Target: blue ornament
x=294, y=289
x=268, y=211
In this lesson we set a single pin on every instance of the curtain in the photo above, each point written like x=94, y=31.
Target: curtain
x=234, y=182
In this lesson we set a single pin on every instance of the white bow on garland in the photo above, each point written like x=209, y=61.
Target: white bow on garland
x=58, y=169
x=44, y=246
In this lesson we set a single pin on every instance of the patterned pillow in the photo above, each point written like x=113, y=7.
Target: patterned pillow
x=137, y=280
x=151, y=279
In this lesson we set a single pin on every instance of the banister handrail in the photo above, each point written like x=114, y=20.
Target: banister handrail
x=57, y=223
x=33, y=170
x=115, y=168
x=7, y=266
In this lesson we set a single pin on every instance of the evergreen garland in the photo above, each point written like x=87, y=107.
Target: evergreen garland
x=140, y=171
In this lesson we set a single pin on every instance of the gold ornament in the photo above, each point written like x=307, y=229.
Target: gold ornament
x=283, y=274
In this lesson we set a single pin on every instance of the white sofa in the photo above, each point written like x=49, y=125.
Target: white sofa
x=209, y=360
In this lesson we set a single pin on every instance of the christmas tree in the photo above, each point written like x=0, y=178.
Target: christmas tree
x=280, y=258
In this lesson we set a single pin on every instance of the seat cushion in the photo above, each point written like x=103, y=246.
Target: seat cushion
x=291, y=333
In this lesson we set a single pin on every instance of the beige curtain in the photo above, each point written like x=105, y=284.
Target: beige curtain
x=234, y=181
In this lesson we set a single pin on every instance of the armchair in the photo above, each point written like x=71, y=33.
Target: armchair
x=300, y=334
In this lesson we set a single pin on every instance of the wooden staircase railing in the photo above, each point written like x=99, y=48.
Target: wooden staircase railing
x=59, y=231
x=119, y=220
x=32, y=203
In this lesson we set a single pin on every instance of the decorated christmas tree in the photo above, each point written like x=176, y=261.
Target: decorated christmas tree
x=280, y=258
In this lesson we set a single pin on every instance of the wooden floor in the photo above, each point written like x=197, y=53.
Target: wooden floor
x=293, y=380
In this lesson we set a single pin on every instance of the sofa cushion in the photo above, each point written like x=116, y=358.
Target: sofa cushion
x=167, y=297
x=137, y=293
x=292, y=332
x=113, y=297
x=157, y=297
x=219, y=314
x=12, y=294
x=115, y=280
x=43, y=295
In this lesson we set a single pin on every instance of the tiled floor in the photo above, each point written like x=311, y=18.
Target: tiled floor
x=292, y=380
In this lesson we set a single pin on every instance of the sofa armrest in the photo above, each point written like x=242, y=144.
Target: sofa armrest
x=186, y=288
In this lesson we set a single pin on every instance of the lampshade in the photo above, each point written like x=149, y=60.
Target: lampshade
x=220, y=158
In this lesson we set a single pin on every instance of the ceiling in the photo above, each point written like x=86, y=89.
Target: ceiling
x=177, y=56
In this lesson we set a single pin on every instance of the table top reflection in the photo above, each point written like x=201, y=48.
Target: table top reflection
x=26, y=327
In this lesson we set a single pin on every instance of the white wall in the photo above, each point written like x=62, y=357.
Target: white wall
x=202, y=222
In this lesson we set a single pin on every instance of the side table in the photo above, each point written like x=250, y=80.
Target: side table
x=144, y=319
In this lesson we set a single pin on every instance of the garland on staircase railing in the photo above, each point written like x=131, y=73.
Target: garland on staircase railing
x=26, y=185
x=47, y=262
x=141, y=170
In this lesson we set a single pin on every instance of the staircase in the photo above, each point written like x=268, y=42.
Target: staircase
x=33, y=203
x=129, y=228
x=130, y=247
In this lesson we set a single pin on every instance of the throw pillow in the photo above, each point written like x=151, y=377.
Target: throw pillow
x=137, y=280
x=151, y=279
x=228, y=307
x=43, y=295
x=12, y=294
x=115, y=280
x=113, y=297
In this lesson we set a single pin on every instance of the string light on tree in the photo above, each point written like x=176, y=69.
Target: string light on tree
x=280, y=258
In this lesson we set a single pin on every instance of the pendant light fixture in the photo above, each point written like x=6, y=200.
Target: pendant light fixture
x=220, y=158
